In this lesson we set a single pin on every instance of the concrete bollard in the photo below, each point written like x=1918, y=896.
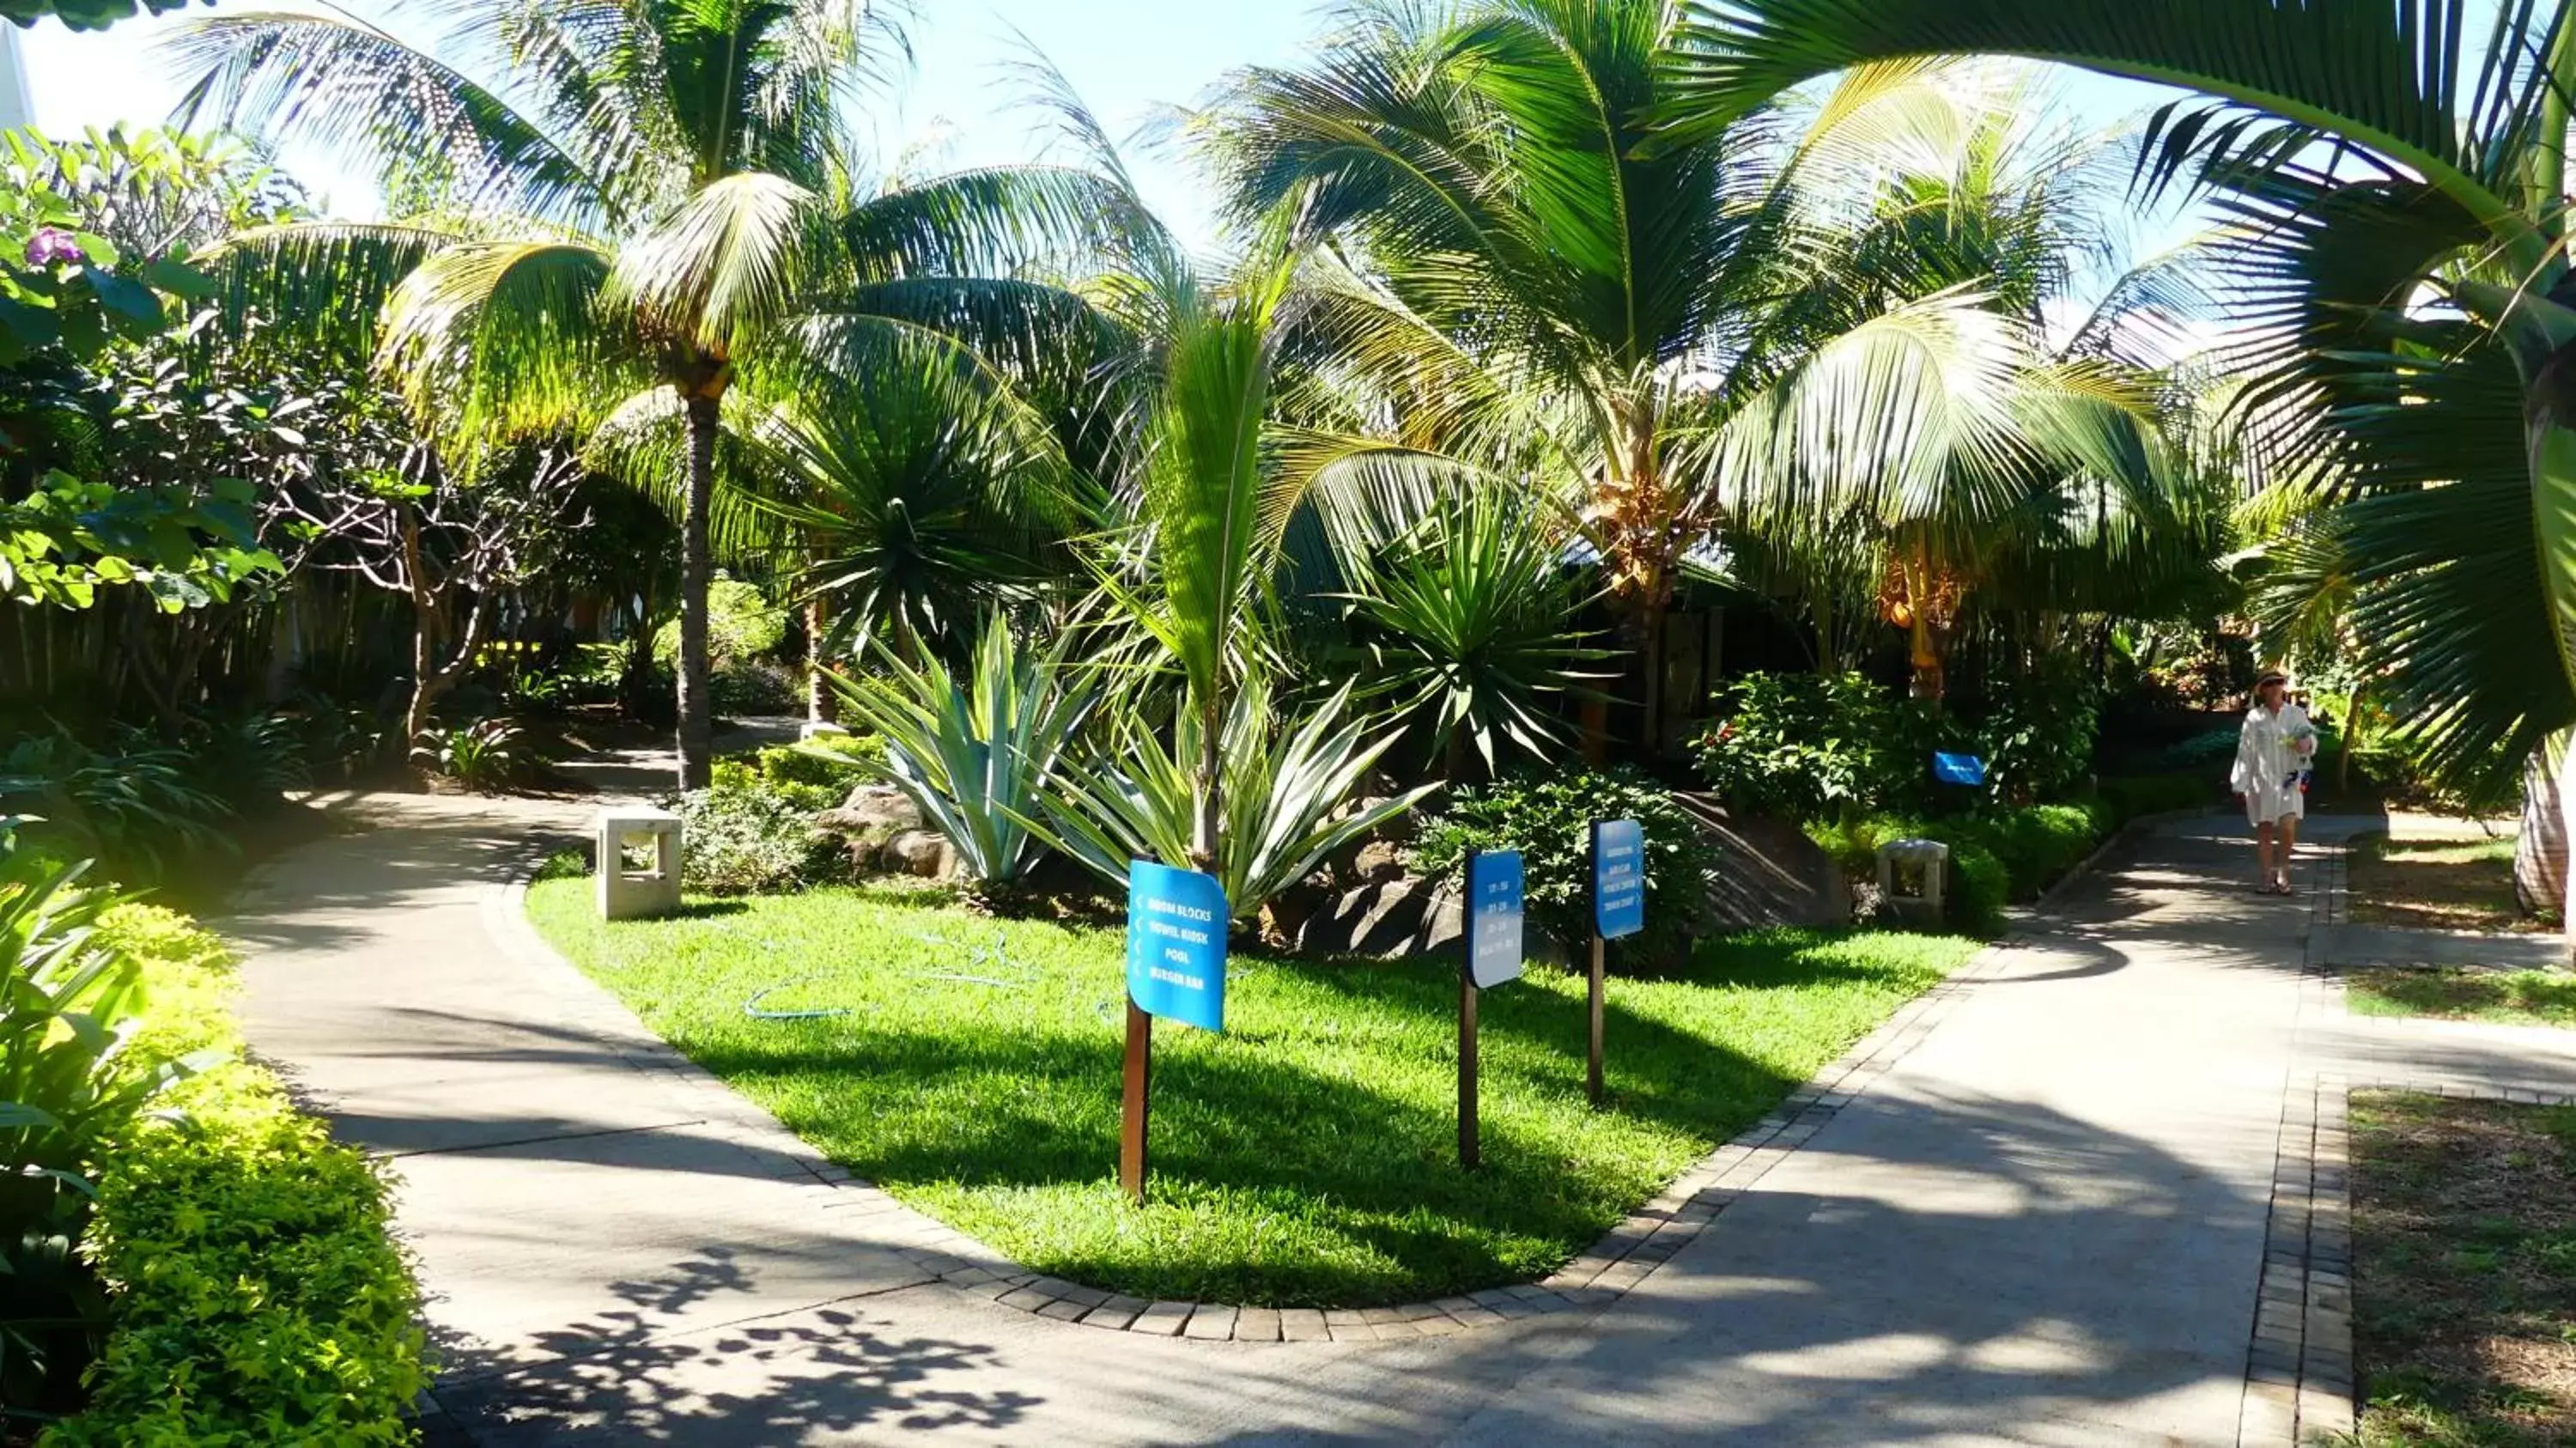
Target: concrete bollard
x=627, y=894
x=1911, y=877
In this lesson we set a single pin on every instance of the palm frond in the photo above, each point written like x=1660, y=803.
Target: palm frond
x=359, y=92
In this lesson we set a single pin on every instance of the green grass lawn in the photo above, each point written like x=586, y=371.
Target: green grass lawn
x=2514, y=998
x=2464, y=1271
x=1307, y=1157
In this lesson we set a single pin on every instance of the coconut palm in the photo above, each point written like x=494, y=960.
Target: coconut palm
x=2405, y=287
x=1954, y=182
x=1523, y=280
x=619, y=209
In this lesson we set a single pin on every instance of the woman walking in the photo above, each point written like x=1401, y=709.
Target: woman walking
x=2274, y=755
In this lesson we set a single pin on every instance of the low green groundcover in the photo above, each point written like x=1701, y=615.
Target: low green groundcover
x=1307, y=1157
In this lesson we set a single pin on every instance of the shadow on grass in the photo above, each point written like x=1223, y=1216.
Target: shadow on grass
x=2515, y=997
x=1358, y=1176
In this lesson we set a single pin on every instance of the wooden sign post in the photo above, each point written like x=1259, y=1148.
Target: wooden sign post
x=1618, y=908
x=1131, y=1125
x=1470, y=1155
x=1176, y=923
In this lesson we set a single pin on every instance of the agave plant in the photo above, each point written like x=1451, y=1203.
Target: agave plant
x=1281, y=807
x=975, y=753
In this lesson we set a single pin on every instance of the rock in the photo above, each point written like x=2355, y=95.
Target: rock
x=872, y=807
x=926, y=853
x=1379, y=861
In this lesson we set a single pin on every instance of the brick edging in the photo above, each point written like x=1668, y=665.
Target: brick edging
x=1616, y=1264
x=2300, y=1381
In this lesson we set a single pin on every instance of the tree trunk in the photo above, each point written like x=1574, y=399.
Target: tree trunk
x=697, y=717
x=1211, y=802
x=822, y=703
x=2540, y=855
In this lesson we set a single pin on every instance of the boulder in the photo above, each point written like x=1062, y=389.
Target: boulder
x=926, y=853
x=872, y=807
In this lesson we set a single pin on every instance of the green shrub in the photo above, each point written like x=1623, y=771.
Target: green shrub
x=741, y=624
x=1801, y=745
x=1549, y=820
x=2037, y=732
x=138, y=807
x=1996, y=857
x=484, y=756
x=258, y=1296
x=749, y=837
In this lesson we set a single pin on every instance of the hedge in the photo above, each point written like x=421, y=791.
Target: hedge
x=260, y=1296
x=1999, y=856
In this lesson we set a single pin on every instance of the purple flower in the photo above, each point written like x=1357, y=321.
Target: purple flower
x=50, y=245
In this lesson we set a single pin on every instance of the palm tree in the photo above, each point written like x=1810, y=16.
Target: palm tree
x=618, y=209
x=2405, y=286
x=1524, y=281
x=1956, y=183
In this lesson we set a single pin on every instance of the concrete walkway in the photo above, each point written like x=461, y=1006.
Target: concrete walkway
x=2044, y=1223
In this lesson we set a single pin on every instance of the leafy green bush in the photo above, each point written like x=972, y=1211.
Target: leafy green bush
x=816, y=775
x=137, y=806
x=755, y=686
x=1549, y=818
x=1996, y=857
x=741, y=624
x=68, y=1010
x=1800, y=745
x=2038, y=731
x=259, y=1296
x=749, y=837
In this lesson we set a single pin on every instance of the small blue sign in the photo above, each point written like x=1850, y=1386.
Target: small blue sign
x=1176, y=922
x=1618, y=878
x=1965, y=769
x=1493, y=917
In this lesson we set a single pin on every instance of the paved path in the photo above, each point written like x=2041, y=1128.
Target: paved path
x=2043, y=1224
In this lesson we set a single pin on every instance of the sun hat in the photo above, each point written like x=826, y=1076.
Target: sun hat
x=2271, y=676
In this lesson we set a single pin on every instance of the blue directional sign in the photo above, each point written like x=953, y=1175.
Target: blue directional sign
x=1965, y=769
x=1618, y=878
x=1176, y=923
x=1493, y=917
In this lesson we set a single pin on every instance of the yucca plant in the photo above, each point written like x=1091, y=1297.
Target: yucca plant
x=975, y=753
x=1467, y=626
x=1281, y=802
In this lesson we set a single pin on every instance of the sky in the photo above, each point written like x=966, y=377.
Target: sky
x=1130, y=60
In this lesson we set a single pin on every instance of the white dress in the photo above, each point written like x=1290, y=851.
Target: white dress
x=2269, y=763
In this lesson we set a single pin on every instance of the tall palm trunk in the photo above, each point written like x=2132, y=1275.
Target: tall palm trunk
x=1203, y=830
x=2540, y=855
x=822, y=705
x=697, y=718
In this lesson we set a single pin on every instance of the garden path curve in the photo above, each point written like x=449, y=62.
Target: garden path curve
x=2033, y=1211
